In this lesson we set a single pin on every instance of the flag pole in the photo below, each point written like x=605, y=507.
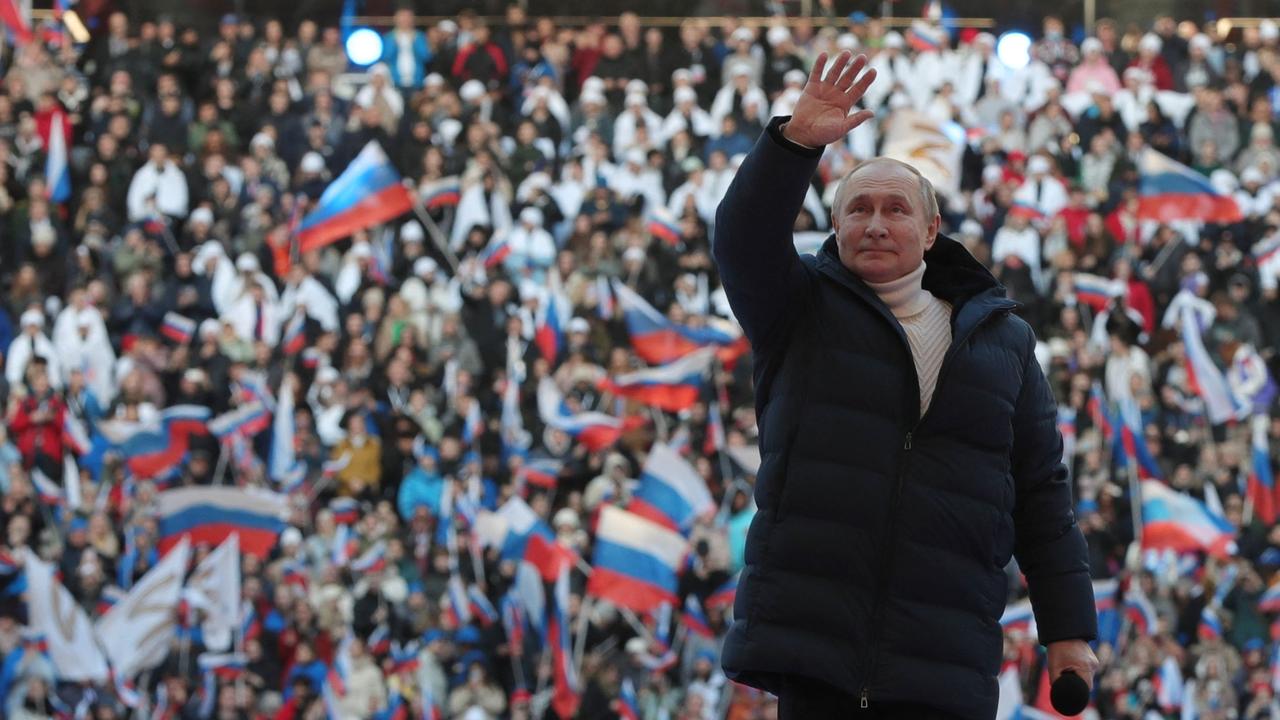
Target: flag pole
x=580, y=646
x=437, y=236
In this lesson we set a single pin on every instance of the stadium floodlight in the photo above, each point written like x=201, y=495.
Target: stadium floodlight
x=1014, y=49
x=364, y=47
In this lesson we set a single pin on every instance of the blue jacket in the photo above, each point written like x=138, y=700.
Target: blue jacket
x=422, y=56
x=875, y=560
x=419, y=488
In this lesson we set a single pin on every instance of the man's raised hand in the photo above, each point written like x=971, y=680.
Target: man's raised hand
x=821, y=115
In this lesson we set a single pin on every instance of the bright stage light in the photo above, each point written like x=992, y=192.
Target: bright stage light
x=1014, y=49
x=364, y=46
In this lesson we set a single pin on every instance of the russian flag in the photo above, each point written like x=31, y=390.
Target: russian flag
x=673, y=387
x=594, y=430
x=1266, y=251
x=480, y=606
x=1169, y=190
x=636, y=561
x=11, y=17
x=459, y=602
x=511, y=527
x=1095, y=290
x=725, y=594
x=1210, y=625
x=1019, y=616
x=671, y=492
x=657, y=340
x=547, y=333
x=395, y=709
x=445, y=192
x=495, y=253
x=1169, y=685
x=178, y=328
x=1140, y=611
x=695, y=619
x=1262, y=486
x=1097, y=406
x=513, y=623
x=74, y=435
x=371, y=560
x=368, y=192
x=346, y=511
x=56, y=172
x=714, y=441
x=923, y=37
x=1181, y=523
x=379, y=641
x=404, y=658
x=1104, y=600
x=1270, y=600
x=660, y=223
x=1133, y=440
x=626, y=705
x=295, y=337
x=1220, y=402
x=151, y=450
x=542, y=472
x=605, y=306
x=48, y=491
x=227, y=666
x=241, y=421
x=567, y=687
x=209, y=514
x=1022, y=208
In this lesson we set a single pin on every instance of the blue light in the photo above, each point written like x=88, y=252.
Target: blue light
x=364, y=47
x=1014, y=49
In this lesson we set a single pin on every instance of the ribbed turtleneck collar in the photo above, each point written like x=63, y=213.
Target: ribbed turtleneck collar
x=905, y=296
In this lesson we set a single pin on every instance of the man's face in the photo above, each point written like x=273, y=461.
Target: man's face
x=879, y=219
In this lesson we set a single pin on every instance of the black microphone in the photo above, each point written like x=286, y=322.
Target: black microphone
x=1069, y=694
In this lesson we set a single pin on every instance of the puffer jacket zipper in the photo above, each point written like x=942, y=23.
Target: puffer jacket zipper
x=891, y=545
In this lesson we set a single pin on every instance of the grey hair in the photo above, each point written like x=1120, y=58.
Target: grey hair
x=927, y=195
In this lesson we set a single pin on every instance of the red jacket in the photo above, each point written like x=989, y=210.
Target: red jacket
x=45, y=437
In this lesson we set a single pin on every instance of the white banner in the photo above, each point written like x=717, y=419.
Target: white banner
x=932, y=148
x=214, y=588
x=53, y=613
x=138, y=631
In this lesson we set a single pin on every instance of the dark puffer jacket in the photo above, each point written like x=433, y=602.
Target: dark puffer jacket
x=875, y=561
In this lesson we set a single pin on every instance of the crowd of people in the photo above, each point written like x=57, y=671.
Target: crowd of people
x=556, y=168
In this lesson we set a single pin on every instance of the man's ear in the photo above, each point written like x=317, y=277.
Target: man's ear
x=932, y=233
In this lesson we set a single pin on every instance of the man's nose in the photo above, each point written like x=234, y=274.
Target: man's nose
x=876, y=227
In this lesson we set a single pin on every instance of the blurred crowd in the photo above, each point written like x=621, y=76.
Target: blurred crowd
x=588, y=153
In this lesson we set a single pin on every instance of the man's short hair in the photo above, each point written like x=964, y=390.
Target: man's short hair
x=928, y=197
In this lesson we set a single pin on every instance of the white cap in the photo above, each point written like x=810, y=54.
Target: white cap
x=742, y=34
x=434, y=78
x=247, y=263
x=449, y=130
x=985, y=38
x=210, y=327
x=529, y=290
x=262, y=139
x=637, y=87
x=1091, y=44
x=636, y=100
x=447, y=26
x=471, y=91
x=565, y=516
x=194, y=375
x=893, y=39
x=741, y=71
x=312, y=162
x=847, y=41
x=424, y=266
x=1201, y=41
x=794, y=76
x=32, y=317
x=593, y=82
x=777, y=35
x=1224, y=181
x=992, y=173
x=685, y=94
x=532, y=216
x=1252, y=174
x=633, y=254
x=682, y=74
x=326, y=374
x=1150, y=42
x=412, y=232
x=591, y=96
x=1267, y=30
x=579, y=325
x=635, y=156
x=201, y=215
x=361, y=250
x=291, y=536
x=1038, y=164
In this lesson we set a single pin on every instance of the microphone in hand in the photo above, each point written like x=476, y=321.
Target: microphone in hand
x=1069, y=693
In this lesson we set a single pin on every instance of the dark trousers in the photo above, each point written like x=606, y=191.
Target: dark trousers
x=805, y=699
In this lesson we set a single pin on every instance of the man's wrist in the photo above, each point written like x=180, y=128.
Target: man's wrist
x=774, y=131
x=782, y=129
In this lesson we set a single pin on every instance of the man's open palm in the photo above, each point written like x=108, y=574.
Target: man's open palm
x=821, y=115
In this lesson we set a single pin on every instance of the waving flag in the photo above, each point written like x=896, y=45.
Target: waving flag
x=1140, y=611
x=636, y=561
x=495, y=253
x=548, y=335
x=295, y=336
x=1270, y=600
x=178, y=328
x=441, y=193
x=568, y=691
x=154, y=449
x=480, y=606
x=1019, y=616
x=227, y=666
x=512, y=530
x=626, y=705
x=1098, y=412
x=671, y=492
x=1262, y=485
x=1169, y=190
x=594, y=430
x=1169, y=685
x=1095, y=291
x=56, y=171
x=1205, y=378
x=368, y=192
x=1133, y=442
x=1182, y=523
x=541, y=472
x=1210, y=627
x=211, y=514
x=725, y=594
x=673, y=387
x=695, y=619
x=660, y=223
x=12, y=18
x=245, y=420
x=48, y=491
x=658, y=340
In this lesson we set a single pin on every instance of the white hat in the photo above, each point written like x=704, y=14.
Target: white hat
x=565, y=516
x=685, y=94
x=635, y=156
x=1150, y=42
x=194, y=375
x=201, y=214
x=424, y=266
x=682, y=74
x=262, y=139
x=1201, y=41
x=591, y=96
x=1091, y=44
x=992, y=173
x=794, y=75
x=1267, y=30
x=32, y=317
x=1038, y=164
x=434, y=78
x=1252, y=174
x=579, y=325
x=893, y=39
x=740, y=70
x=532, y=216
x=471, y=91
x=447, y=26
x=247, y=263
x=312, y=162
x=636, y=646
x=637, y=87
x=985, y=38
x=361, y=250
x=847, y=41
x=593, y=82
x=327, y=374
x=412, y=232
x=1224, y=181
x=742, y=34
x=449, y=130
x=636, y=100
x=529, y=290
x=290, y=536
x=777, y=35
x=210, y=327
x=632, y=254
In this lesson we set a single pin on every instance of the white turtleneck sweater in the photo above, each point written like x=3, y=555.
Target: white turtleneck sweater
x=927, y=322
